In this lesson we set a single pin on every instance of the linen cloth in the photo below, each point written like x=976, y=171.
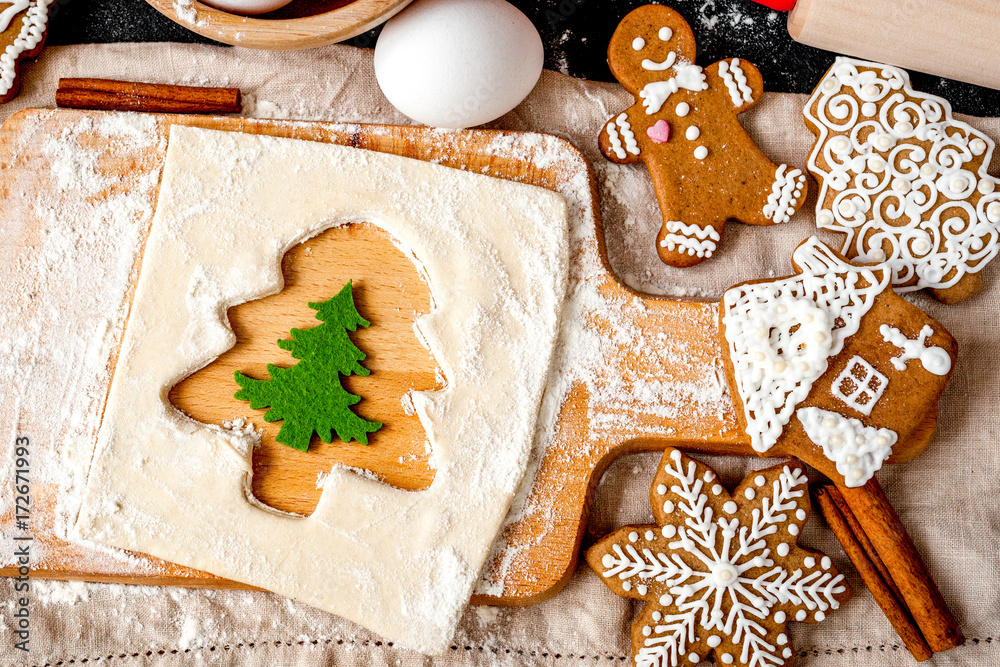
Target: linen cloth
x=948, y=498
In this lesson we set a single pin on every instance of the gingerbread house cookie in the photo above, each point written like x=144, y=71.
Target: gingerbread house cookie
x=705, y=168
x=902, y=180
x=721, y=574
x=23, y=26
x=831, y=366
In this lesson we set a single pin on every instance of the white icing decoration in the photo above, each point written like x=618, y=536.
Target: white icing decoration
x=716, y=595
x=682, y=109
x=655, y=93
x=736, y=82
x=692, y=133
x=692, y=239
x=775, y=367
x=785, y=193
x=667, y=63
x=926, y=193
x=700, y=153
x=859, y=385
x=402, y=563
x=14, y=8
x=631, y=145
x=665, y=34
x=616, y=144
x=857, y=450
x=32, y=32
x=638, y=43
x=934, y=359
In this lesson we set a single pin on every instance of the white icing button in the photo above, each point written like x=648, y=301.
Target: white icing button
x=787, y=653
x=780, y=366
x=779, y=617
x=809, y=561
x=729, y=507
x=958, y=184
x=993, y=212
x=841, y=145
x=726, y=659
x=638, y=43
x=657, y=615
x=876, y=164
x=666, y=34
x=857, y=473
x=836, y=441
x=793, y=529
x=750, y=493
x=851, y=458
x=649, y=535
x=877, y=255
x=633, y=536
x=824, y=218
x=759, y=480
x=883, y=142
x=900, y=185
x=782, y=549
x=826, y=563
x=782, y=638
x=700, y=153
x=708, y=476
x=928, y=170
x=869, y=109
x=921, y=246
x=716, y=490
x=847, y=207
x=986, y=186
x=903, y=127
x=977, y=146
x=626, y=586
x=641, y=588
x=646, y=631
x=682, y=109
x=666, y=600
x=829, y=84
x=713, y=641
x=881, y=441
x=668, y=507
x=608, y=560
x=661, y=489
x=829, y=422
x=692, y=133
x=871, y=90
x=819, y=616
x=694, y=658
x=800, y=615
x=800, y=514
x=669, y=531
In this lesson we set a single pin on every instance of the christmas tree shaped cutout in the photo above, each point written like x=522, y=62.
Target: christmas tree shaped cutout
x=309, y=397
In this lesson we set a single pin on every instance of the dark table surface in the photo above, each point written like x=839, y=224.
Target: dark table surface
x=576, y=34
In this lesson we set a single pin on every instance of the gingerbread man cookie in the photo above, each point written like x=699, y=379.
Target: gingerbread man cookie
x=23, y=26
x=902, y=180
x=705, y=168
x=721, y=575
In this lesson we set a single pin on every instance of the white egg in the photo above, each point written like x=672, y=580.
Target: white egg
x=458, y=63
x=247, y=7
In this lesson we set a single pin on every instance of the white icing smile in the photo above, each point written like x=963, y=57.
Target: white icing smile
x=654, y=66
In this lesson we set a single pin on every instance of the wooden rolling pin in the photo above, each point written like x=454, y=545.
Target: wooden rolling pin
x=954, y=39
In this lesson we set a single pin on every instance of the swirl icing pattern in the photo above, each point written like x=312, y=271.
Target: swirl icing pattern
x=904, y=181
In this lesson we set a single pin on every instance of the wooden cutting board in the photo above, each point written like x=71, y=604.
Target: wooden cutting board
x=659, y=381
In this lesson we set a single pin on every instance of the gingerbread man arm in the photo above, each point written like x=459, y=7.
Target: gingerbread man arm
x=740, y=79
x=617, y=140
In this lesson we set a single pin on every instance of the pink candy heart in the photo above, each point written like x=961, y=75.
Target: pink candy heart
x=659, y=132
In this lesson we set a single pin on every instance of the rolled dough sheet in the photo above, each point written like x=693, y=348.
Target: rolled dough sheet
x=401, y=563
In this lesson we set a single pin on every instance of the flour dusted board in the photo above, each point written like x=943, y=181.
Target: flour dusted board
x=640, y=372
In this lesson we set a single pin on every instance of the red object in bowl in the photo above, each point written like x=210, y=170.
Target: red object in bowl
x=779, y=5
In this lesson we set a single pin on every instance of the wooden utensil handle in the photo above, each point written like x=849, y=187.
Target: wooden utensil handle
x=908, y=570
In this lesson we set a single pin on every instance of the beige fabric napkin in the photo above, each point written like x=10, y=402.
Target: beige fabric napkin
x=948, y=498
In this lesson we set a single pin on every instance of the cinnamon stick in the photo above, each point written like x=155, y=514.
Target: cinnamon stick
x=881, y=589
x=907, y=569
x=109, y=95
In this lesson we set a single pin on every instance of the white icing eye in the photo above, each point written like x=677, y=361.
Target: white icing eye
x=682, y=109
x=638, y=43
x=700, y=153
x=692, y=133
x=666, y=34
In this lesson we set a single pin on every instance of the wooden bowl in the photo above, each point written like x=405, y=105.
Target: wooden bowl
x=302, y=24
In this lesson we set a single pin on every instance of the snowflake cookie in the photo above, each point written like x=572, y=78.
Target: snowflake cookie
x=721, y=575
x=902, y=180
x=684, y=125
x=832, y=367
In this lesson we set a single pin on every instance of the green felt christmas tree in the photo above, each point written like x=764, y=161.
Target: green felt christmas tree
x=309, y=396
